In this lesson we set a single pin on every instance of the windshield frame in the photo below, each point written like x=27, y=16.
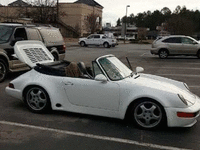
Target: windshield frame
x=118, y=69
x=12, y=29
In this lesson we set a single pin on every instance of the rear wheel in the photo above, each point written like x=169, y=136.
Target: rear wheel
x=163, y=54
x=3, y=70
x=147, y=114
x=106, y=45
x=37, y=99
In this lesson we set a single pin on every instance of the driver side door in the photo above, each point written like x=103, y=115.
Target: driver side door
x=92, y=94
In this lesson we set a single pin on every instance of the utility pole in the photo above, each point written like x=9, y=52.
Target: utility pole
x=57, y=15
x=125, y=23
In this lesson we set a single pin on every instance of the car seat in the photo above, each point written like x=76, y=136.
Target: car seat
x=83, y=70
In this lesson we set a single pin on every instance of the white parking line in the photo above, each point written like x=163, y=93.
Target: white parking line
x=180, y=68
x=144, y=54
x=111, y=139
x=180, y=75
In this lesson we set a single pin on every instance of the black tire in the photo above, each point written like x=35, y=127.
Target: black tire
x=148, y=114
x=37, y=100
x=106, y=45
x=198, y=54
x=82, y=43
x=3, y=70
x=163, y=54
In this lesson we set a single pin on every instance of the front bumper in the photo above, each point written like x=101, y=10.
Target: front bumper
x=154, y=51
x=174, y=121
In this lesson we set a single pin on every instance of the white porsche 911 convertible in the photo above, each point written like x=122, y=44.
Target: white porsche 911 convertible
x=108, y=88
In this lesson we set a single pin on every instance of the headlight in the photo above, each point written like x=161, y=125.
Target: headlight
x=183, y=99
x=188, y=99
x=186, y=86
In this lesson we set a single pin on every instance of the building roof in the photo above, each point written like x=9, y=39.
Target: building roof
x=18, y=3
x=89, y=2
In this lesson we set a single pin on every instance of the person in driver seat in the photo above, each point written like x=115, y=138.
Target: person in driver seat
x=72, y=70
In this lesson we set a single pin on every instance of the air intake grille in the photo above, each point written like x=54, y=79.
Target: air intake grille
x=36, y=54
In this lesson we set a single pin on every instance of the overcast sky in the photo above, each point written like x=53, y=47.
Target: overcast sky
x=114, y=9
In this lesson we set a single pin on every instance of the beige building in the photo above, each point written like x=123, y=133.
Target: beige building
x=72, y=16
x=75, y=14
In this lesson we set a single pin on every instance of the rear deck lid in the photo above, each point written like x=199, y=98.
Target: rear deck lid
x=32, y=52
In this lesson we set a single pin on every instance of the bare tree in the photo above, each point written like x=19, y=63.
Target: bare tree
x=92, y=22
x=42, y=11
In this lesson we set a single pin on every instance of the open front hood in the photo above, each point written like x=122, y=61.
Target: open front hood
x=32, y=52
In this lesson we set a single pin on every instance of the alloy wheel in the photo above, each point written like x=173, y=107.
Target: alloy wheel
x=36, y=99
x=163, y=54
x=148, y=114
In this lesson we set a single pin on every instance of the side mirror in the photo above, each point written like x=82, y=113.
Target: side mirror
x=139, y=69
x=101, y=77
x=194, y=42
x=12, y=43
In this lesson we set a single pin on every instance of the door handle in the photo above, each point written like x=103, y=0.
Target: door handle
x=69, y=83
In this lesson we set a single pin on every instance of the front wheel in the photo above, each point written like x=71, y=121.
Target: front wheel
x=163, y=54
x=82, y=44
x=3, y=70
x=148, y=114
x=37, y=100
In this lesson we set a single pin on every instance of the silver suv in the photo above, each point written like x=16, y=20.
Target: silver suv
x=175, y=45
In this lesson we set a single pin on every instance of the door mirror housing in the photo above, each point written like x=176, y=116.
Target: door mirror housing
x=139, y=69
x=12, y=43
x=194, y=42
x=101, y=77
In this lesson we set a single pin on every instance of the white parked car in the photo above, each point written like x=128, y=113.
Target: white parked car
x=98, y=39
x=175, y=45
x=109, y=89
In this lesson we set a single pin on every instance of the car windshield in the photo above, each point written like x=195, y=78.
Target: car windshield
x=5, y=33
x=114, y=68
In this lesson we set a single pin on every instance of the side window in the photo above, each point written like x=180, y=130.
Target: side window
x=20, y=33
x=97, y=36
x=172, y=40
x=187, y=41
x=91, y=37
x=33, y=34
x=96, y=69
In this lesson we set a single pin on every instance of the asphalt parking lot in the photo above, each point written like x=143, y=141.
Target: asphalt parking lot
x=21, y=129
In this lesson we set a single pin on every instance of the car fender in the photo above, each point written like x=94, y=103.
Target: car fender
x=163, y=47
x=39, y=80
x=166, y=99
x=54, y=50
x=82, y=40
x=3, y=55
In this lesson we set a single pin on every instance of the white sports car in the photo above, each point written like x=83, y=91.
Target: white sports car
x=108, y=88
